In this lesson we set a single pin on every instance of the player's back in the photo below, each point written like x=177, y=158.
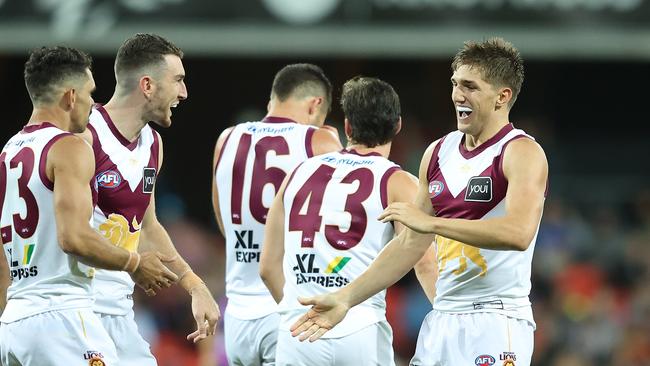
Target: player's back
x=471, y=185
x=332, y=234
x=125, y=173
x=254, y=160
x=43, y=277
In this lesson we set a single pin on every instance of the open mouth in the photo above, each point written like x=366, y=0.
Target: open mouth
x=463, y=112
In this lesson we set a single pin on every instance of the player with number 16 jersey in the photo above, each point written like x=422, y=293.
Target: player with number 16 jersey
x=251, y=161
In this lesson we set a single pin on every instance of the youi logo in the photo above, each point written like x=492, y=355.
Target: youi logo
x=109, y=179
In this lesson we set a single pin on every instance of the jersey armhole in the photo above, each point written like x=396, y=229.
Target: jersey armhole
x=383, y=185
x=42, y=164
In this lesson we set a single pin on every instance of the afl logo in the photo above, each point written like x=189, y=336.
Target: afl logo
x=109, y=179
x=435, y=188
x=484, y=360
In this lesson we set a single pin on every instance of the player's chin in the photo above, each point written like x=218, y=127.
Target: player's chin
x=164, y=122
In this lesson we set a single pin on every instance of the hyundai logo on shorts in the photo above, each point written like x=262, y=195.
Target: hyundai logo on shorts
x=109, y=179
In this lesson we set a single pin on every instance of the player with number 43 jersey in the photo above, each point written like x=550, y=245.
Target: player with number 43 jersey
x=251, y=160
x=322, y=231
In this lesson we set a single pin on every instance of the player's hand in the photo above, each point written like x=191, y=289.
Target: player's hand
x=409, y=215
x=326, y=311
x=206, y=313
x=152, y=275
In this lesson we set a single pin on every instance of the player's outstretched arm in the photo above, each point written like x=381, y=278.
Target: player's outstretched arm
x=397, y=258
x=154, y=237
x=426, y=271
x=273, y=248
x=403, y=187
x=71, y=165
x=526, y=169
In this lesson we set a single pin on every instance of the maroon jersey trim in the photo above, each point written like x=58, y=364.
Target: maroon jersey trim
x=42, y=171
x=308, y=142
x=467, y=154
x=503, y=149
x=272, y=119
x=111, y=126
x=433, y=161
x=155, y=149
x=355, y=152
x=383, y=185
x=40, y=126
x=223, y=148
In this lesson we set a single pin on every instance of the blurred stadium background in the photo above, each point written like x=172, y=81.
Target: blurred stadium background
x=587, y=77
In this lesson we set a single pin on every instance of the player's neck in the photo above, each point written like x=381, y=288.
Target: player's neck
x=126, y=114
x=52, y=115
x=383, y=150
x=489, y=130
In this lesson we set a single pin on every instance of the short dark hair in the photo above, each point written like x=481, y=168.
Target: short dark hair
x=498, y=60
x=302, y=80
x=49, y=67
x=142, y=50
x=372, y=109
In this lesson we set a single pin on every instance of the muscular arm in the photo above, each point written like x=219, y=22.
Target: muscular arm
x=526, y=169
x=154, y=237
x=403, y=187
x=215, y=193
x=273, y=248
x=71, y=166
x=397, y=258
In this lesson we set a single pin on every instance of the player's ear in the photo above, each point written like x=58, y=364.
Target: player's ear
x=399, y=125
x=504, y=97
x=146, y=86
x=68, y=99
x=315, y=104
x=348, y=129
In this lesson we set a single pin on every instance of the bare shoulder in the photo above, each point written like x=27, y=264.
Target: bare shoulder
x=325, y=140
x=403, y=179
x=71, y=151
x=523, y=152
x=86, y=136
x=426, y=157
x=524, y=161
x=402, y=187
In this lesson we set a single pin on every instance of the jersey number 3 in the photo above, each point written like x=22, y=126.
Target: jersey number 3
x=24, y=227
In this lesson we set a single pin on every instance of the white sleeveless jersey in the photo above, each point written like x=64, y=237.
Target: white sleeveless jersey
x=471, y=185
x=331, y=232
x=254, y=160
x=43, y=277
x=125, y=174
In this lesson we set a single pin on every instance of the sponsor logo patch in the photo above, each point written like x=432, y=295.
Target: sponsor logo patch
x=435, y=188
x=148, y=179
x=484, y=360
x=508, y=358
x=109, y=179
x=95, y=358
x=479, y=189
x=306, y=271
